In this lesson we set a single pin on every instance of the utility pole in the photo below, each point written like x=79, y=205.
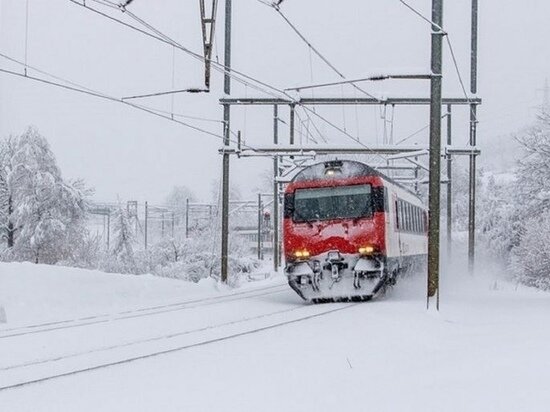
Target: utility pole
x=449, y=184
x=259, y=226
x=292, y=127
x=108, y=230
x=435, y=151
x=275, y=191
x=173, y=221
x=226, y=141
x=145, y=226
x=186, y=218
x=473, y=141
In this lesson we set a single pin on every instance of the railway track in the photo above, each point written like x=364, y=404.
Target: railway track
x=136, y=313
x=51, y=366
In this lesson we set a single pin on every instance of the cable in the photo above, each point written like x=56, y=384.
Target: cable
x=26, y=33
x=429, y=21
x=220, y=67
x=165, y=39
x=418, y=131
x=453, y=56
x=113, y=99
x=317, y=52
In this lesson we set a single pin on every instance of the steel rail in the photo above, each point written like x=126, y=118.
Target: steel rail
x=182, y=347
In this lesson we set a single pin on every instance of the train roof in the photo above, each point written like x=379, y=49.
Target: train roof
x=346, y=169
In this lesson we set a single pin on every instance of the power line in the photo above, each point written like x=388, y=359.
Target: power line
x=451, y=50
x=313, y=48
x=110, y=98
x=158, y=35
x=419, y=14
x=36, y=69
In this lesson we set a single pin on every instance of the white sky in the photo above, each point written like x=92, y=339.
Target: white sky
x=132, y=155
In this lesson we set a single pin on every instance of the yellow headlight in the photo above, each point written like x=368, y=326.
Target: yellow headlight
x=301, y=254
x=366, y=250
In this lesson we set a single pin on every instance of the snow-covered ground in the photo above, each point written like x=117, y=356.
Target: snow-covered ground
x=259, y=348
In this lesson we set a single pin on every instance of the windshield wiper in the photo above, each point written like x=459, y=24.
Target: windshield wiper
x=302, y=218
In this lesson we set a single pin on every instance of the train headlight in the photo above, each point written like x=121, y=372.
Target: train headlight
x=301, y=254
x=366, y=250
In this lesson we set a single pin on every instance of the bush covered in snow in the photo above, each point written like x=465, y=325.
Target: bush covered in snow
x=531, y=259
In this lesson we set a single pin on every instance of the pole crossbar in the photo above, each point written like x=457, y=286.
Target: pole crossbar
x=319, y=101
x=317, y=151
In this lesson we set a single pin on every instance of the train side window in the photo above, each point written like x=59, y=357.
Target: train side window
x=397, y=217
x=407, y=218
x=402, y=221
x=386, y=200
x=404, y=209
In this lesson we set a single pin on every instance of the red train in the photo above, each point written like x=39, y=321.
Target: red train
x=349, y=231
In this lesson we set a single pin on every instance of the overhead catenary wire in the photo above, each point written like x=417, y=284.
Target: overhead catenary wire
x=451, y=50
x=159, y=36
x=26, y=33
x=419, y=14
x=220, y=67
x=79, y=86
x=313, y=48
x=111, y=98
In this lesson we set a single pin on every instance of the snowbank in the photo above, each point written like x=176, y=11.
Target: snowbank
x=33, y=293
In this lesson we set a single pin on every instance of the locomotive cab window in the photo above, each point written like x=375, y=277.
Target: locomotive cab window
x=342, y=202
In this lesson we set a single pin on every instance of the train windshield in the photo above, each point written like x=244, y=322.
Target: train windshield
x=342, y=202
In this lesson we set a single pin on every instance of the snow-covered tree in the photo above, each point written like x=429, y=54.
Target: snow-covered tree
x=533, y=175
x=497, y=214
x=177, y=201
x=531, y=259
x=48, y=213
x=7, y=224
x=178, y=196
x=123, y=241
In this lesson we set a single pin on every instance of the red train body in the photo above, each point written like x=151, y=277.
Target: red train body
x=348, y=231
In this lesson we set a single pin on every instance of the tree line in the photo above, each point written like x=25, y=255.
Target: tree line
x=44, y=216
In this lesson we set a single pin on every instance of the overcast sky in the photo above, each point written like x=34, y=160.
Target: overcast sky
x=129, y=154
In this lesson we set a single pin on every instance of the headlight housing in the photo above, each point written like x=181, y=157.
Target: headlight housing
x=301, y=254
x=367, y=250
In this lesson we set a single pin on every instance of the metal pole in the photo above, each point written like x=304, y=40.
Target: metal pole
x=186, y=218
x=275, y=191
x=473, y=141
x=226, y=135
x=449, y=185
x=145, y=226
x=416, y=171
x=435, y=152
x=173, y=221
x=108, y=230
x=292, y=110
x=259, y=226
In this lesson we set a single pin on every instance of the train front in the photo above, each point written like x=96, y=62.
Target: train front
x=334, y=232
